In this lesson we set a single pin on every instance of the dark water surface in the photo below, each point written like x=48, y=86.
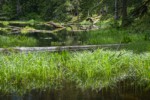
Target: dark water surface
x=72, y=93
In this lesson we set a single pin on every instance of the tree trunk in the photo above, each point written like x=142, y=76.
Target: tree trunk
x=1, y=3
x=124, y=12
x=18, y=8
x=116, y=10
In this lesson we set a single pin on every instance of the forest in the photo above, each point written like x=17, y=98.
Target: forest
x=74, y=49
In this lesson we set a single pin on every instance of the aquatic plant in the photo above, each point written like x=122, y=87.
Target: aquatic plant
x=22, y=72
x=13, y=41
x=105, y=36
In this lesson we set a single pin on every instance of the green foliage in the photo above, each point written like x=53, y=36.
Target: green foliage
x=115, y=24
x=138, y=47
x=33, y=15
x=104, y=36
x=60, y=10
x=147, y=37
x=22, y=72
x=126, y=39
x=5, y=23
x=26, y=29
x=13, y=41
x=6, y=8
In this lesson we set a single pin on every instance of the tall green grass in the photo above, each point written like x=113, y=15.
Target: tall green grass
x=95, y=70
x=137, y=41
x=110, y=36
x=138, y=47
x=22, y=72
x=13, y=41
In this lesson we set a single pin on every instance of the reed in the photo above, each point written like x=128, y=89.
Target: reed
x=16, y=40
x=22, y=72
x=108, y=36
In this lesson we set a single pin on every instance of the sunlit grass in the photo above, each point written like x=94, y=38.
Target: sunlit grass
x=96, y=70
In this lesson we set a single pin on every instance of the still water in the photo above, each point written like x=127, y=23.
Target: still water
x=72, y=93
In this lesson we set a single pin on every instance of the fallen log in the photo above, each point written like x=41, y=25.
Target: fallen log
x=17, y=27
x=44, y=31
x=55, y=25
x=60, y=48
x=17, y=23
x=18, y=30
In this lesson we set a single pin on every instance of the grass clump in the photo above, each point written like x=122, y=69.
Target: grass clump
x=23, y=72
x=111, y=36
x=13, y=41
x=96, y=70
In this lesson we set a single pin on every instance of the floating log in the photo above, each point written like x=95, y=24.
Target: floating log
x=44, y=31
x=60, y=48
x=39, y=31
x=17, y=23
x=18, y=30
x=17, y=27
x=55, y=25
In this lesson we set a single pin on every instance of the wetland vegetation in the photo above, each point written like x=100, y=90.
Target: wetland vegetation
x=106, y=73
x=94, y=70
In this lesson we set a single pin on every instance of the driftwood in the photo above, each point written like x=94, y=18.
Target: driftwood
x=44, y=31
x=17, y=27
x=55, y=25
x=17, y=23
x=32, y=23
x=18, y=30
x=59, y=48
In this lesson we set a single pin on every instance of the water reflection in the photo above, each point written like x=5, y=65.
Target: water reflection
x=72, y=93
